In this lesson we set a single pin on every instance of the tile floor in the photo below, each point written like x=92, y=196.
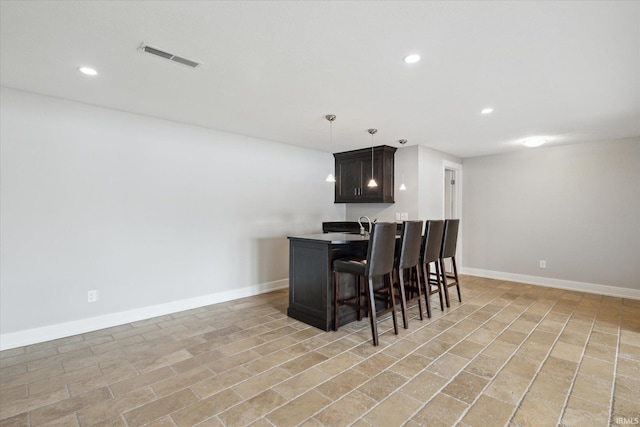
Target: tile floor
x=510, y=354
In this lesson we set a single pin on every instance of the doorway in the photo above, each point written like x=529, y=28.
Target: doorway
x=452, y=200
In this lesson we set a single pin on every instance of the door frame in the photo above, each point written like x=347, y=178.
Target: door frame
x=457, y=168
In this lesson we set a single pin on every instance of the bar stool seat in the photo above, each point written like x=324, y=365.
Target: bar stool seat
x=379, y=262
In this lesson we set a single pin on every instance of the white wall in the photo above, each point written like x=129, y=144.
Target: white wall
x=424, y=177
x=148, y=212
x=577, y=207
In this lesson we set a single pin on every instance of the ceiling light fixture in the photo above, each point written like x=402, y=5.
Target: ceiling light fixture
x=487, y=110
x=535, y=141
x=330, y=118
x=402, y=186
x=88, y=71
x=412, y=59
x=373, y=182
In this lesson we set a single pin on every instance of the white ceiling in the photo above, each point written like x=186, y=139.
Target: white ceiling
x=273, y=70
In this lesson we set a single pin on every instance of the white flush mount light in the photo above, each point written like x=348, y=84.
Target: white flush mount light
x=88, y=71
x=412, y=59
x=535, y=141
x=486, y=111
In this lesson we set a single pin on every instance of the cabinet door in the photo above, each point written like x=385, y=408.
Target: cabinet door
x=372, y=194
x=348, y=179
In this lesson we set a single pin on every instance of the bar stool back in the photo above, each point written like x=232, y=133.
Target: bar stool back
x=379, y=262
x=408, y=262
x=449, y=243
x=431, y=245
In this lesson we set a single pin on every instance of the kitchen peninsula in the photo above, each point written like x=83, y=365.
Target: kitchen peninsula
x=311, y=284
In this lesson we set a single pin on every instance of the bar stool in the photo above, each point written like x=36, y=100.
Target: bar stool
x=408, y=262
x=379, y=262
x=431, y=245
x=449, y=242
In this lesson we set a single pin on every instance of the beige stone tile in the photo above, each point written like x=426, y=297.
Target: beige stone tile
x=522, y=367
x=301, y=383
x=19, y=420
x=299, y=409
x=103, y=411
x=269, y=361
x=434, y=349
x=629, y=368
x=593, y=389
x=424, y=386
x=483, y=336
x=261, y=382
x=550, y=388
x=627, y=388
x=221, y=365
x=205, y=409
x=624, y=411
x=559, y=368
x=570, y=352
x=67, y=421
x=181, y=381
x=442, y=410
x=500, y=350
x=629, y=351
x=465, y=387
x=507, y=388
x=488, y=411
x=143, y=380
x=484, y=366
x=512, y=337
x=302, y=363
x=58, y=381
x=109, y=377
x=252, y=409
x=158, y=408
x=411, y=365
x=346, y=410
x=68, y=406
x=340, y=363
x=382, y=385
x=467, y=349
x=14, y=407
x=600, y=351
x=581, y=412
x=447, y=366
x=375, y=364
x=534, y=411
x=394, y=411
x=597, y=368
x=220, y=382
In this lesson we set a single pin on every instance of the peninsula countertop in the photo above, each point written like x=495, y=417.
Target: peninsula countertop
x=332, y=238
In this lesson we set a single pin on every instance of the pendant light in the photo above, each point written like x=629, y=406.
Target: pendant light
x=373, y=182
x=330, y=118
x=402, y=186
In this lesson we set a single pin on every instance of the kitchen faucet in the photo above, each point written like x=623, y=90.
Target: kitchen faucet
x=362, y=227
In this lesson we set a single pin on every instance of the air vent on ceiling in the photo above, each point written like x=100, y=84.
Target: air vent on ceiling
x=166, y=55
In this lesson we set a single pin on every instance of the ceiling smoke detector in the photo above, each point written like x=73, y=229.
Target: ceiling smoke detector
x=167, y=55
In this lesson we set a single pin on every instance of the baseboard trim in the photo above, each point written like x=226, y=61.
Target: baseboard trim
x=66, y=329
x=591, y=288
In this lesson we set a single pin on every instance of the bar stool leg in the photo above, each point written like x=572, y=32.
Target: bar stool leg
x=403, y=299
x=426, y=275
x=438, y=282
x=417, y=281
x=389, y=280
x=443, y=271
x=455, y=275
x=371, y=304
x=336, y=295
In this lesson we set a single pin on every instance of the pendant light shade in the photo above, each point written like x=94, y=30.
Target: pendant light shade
x=330, y=118
x=373, y=182
x=402, y=186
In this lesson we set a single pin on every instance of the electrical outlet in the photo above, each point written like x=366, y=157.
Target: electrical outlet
x=543, y=264
x=398, y=216
x=92, y=296
x=404, y=216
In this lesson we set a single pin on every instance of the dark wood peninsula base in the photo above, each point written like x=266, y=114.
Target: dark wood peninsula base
x=311, y=284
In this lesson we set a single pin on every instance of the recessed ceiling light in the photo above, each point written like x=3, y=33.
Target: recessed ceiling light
x=487, y=110
x=412, y=59
x=535, y=141
x=88, y=71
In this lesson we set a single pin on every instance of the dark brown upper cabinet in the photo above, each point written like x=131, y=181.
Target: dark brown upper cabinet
x=353, y=172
